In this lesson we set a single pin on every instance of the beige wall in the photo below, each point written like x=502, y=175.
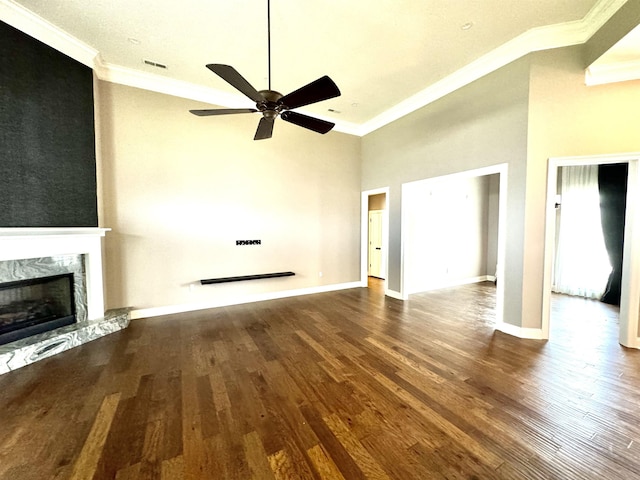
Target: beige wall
x=568, y=118
x=179, y=190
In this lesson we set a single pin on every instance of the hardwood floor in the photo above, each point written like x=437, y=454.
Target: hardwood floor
x=347, y=384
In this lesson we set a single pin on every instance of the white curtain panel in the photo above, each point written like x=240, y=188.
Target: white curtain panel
x=581, y=263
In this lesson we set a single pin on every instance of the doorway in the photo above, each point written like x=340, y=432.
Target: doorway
x=454, y=232
x=375, y=267
x=630, y=285
x=375, y=238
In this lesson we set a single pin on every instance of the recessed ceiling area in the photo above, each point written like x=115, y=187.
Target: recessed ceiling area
x=621, y=62
x=382, y=55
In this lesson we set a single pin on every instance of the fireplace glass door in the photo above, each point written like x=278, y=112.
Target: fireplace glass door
x=36, y=305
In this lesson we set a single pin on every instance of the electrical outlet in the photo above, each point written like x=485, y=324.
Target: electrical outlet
x=319, y=274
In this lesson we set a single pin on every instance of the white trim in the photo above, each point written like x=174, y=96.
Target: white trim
x=109, y=72
x=599, y=15
x=541, y=38
x=57, y=231
x=394, y=294
x=28, y=22
x=630, y=290
x=520, y=332
x=455, y=283
x=364, y=235
x=630, y=298
x=634, y=343
x=503, y=170
x=19, y=243
x=610, y=73
x=225, y=302
x=476, y=172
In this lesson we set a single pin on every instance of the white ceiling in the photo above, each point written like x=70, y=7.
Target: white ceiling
x=380, y=53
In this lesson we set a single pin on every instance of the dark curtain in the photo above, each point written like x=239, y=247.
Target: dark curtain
x=612, y=184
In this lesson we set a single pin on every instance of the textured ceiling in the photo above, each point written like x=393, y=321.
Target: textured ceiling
x=379, y=53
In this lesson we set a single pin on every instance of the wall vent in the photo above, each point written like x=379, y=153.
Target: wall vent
x=154, y=64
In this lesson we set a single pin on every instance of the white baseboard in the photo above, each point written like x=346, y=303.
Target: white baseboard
x=521, y=332
x=394, y=294
x=225, y=302
x=455, y=283
x=634, y=343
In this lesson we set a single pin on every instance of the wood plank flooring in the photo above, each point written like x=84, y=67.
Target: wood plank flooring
x=343, y=385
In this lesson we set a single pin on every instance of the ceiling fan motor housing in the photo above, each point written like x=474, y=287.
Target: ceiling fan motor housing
x=270, y=107
x=273, y=104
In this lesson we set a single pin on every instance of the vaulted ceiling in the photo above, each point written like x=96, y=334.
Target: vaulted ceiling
x=387, y=56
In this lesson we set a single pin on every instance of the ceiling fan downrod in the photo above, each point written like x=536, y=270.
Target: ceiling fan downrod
x=269, y=40
x=273, y=104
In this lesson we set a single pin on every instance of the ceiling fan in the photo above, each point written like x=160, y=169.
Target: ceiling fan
x=273, y=104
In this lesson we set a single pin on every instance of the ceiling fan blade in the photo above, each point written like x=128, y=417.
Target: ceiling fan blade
x=316, y=91
x=305, y=121
x=233, y=78
x=265, y=129
x=222, y=111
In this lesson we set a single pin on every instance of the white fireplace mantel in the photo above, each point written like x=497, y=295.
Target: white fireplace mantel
x=56, y=231
x=25, y=242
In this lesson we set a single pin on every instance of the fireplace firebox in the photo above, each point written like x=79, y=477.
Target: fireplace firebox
x=35, y=305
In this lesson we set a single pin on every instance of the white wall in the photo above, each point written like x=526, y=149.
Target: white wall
x=179, y=190
x=446, y=232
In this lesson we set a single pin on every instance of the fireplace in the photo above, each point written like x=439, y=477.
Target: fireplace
x=35, y=305
x=72, y=257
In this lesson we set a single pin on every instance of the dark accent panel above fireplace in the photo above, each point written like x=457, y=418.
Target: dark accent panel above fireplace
x=35, y=305
x=47, y=136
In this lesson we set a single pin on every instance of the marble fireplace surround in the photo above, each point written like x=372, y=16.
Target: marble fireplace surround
x=34, y=248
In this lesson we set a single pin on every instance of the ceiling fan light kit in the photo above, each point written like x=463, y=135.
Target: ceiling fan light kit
x=273, y=104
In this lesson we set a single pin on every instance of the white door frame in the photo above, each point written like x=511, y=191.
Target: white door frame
x=630, y=298
x=364, y=236
x=502, y=169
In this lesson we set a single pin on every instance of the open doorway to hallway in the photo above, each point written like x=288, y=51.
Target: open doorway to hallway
x=377, y=206
x=375, y=239
x=630, y=279
x=586, y=276
x=453, y=232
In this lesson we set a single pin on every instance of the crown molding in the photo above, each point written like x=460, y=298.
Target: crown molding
x=611, y=73
x=542, y=38
x=600, y=14
x=157, y=83
x=537, y=39
x=28, y=22
x=149, y=81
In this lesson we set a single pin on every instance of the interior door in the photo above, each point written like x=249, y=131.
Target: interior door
x=375, y=244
